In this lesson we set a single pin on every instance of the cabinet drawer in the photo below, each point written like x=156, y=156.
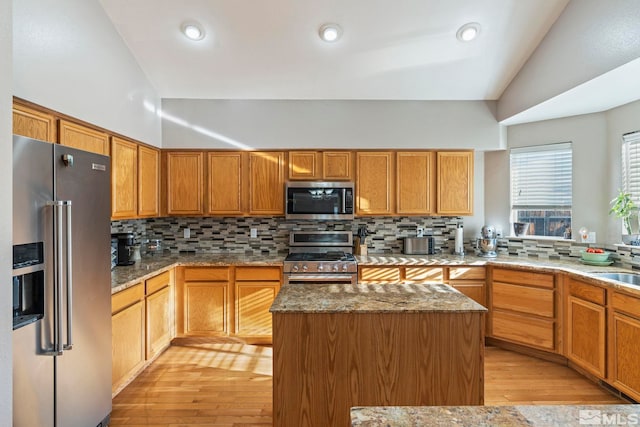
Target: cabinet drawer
x=158, y=282
x=524, y=299
x=586, y=292
x=467, y=273
x=258, y=273
x=379, y=274
x=543, y=280
x=206, y=274
x=524, y=329
x=424, y=274
x=626, y=304
x=127, y=297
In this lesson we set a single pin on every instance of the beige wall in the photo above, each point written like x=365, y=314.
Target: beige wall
x=77, y=63
x=6, y=213
x=596, y=141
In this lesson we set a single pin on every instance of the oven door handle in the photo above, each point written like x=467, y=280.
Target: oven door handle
x=319, y=278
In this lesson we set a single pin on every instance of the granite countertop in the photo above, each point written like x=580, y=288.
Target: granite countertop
x=127, y=276
x=478, y=416
x=372, y=298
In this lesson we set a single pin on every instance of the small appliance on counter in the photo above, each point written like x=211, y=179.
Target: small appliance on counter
x=419, y=245
x=125, y=248
x=487, y=243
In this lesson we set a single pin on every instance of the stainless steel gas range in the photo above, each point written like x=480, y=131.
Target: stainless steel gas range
x=320, y=257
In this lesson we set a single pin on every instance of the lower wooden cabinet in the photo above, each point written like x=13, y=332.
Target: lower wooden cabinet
x=523, y=308
x=585, y=326
x=128, y=335
x=470, y=281
x=255, y=290
x=207, y=301
x=624, y=336
x=159, y=310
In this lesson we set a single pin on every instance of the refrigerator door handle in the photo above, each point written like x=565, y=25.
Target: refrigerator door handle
x=57, y=284
x=69, y=277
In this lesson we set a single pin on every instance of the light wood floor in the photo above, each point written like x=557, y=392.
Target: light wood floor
x=198, y=383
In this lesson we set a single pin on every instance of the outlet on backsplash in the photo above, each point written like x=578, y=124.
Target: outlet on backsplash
x=419, y=231
x=187, y=233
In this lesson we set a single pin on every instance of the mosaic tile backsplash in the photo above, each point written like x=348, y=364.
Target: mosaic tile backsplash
x=232, y=234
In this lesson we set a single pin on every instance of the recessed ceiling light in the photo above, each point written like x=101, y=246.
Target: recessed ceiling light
x=193, y=31
x=468, y=32
x=330, y=32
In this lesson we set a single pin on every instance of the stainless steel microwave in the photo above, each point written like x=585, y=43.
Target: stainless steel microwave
x=319, y=200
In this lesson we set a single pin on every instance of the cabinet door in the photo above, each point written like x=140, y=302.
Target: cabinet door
x=625, y=337
x=586, y=335
x=337, y=166
x=83, y=138
x=374, y=189
x=455, y=183
x=378, y=274
x=127, y=345
x=185, y=183
x=523, y=329
x=415, y=183
x=206, y=308
x=159, y=320
x=33, y=123
x=148, y=181
x=253, y=300
x=124, y=178
x=266, y=183
x=225, y=183
x=304, y=165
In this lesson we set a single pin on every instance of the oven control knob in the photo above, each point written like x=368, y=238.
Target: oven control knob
x=295, y=268
x=304, y=267
x=320, y=267
x=335, y=267
x=345, y=267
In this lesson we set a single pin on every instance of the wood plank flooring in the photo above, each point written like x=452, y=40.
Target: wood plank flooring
x=200, y=383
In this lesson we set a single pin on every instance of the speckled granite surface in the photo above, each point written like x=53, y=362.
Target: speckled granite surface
x=490, y=416
x=126, y=276
x=380, y=298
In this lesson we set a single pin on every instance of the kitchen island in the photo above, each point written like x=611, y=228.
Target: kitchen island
x=336, y=346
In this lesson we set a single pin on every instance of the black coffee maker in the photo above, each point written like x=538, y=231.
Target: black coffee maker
x=123, y=244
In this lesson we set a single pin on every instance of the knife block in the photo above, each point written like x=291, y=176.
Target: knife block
x=359, y=248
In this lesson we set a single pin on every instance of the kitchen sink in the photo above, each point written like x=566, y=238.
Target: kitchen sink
x=630, y=278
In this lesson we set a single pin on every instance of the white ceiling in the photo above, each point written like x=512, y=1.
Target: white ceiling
x=390, y=50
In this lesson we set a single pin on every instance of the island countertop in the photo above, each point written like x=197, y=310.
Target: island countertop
x=372, y=298
x=535, y=416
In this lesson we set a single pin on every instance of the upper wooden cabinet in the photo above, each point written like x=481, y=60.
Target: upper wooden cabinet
x=124, y=174
x=455, y=182
x=374, y=183
x=415, y=183
x=33, y=123
x=325, y=165
x=337, y=166
x=266, y=183
x=185, y=187
x=83, y=138
x=148, y=181
x=226, y=188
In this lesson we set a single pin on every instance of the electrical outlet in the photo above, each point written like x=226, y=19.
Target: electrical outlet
x=187, y=233
x=254, y=233
x=420, y=231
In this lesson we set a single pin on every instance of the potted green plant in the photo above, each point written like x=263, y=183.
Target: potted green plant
x=622, y=206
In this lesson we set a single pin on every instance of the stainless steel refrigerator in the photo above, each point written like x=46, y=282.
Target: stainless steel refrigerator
x=61, y=286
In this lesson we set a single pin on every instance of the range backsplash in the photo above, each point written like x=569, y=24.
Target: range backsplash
x=232, y=234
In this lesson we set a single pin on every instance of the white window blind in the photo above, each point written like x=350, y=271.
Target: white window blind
x=631, y=165
x=541, y=177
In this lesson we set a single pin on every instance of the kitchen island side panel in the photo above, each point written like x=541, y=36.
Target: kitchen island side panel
x=326, y=363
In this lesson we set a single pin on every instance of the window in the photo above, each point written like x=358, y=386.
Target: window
x=631, y=165
x=541, y=188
